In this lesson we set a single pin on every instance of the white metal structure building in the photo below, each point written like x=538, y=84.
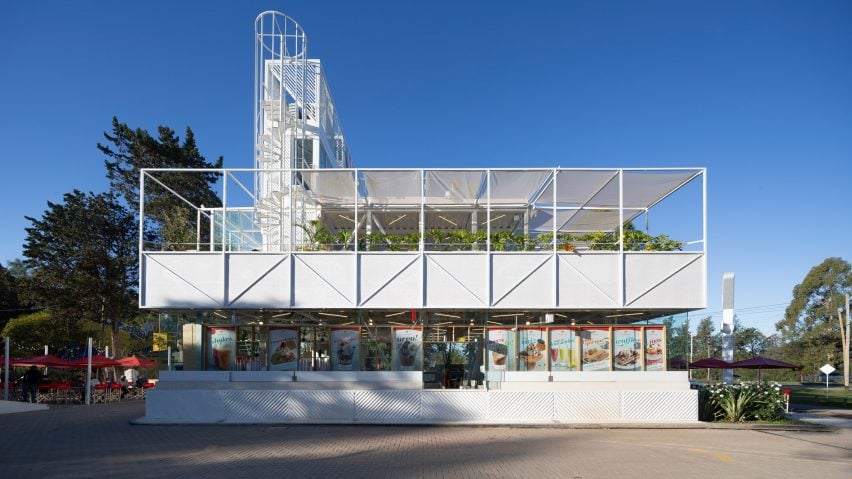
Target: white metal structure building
x=310, y=262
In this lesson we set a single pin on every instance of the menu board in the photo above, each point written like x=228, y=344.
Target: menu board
x=223, y=345
x=345, y=349
x=595, y=349
x=501, y=349
x=532, y=349
x=654, y=357
x=407, y=354
x=563, y=349
x=627, y=346
x=283, y=349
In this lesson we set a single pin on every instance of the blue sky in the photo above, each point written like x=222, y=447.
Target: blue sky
x=758, y=92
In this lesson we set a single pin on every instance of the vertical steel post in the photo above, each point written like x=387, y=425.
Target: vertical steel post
x=727, y=327
x=89, y=371
x=6, y=371
x=845, y=351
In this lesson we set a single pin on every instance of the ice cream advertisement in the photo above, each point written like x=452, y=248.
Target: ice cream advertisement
x=501, y=349
x=532, y=349
x=283, y=349
x=223, y=346
x=345, y=349
x=407, y=354
x=595, y=349
x=563, y=349
x=654, y=358
x=627, y=346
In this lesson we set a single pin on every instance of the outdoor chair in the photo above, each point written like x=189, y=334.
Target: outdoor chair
x=100, y=394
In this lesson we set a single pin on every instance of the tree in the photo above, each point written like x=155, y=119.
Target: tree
x=31, y=332
x=10, y=304
x=748, y=341
x=81, y=255
x=707, y=343
x=810, y=328
x=171, y=217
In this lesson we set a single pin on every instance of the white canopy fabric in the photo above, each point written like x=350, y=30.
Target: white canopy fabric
x=586, y=200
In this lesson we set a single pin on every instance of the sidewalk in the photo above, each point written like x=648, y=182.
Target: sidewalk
x=832, y=417
x=7, y=407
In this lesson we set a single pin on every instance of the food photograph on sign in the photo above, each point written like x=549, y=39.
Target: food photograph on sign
x=563, y=349
x=595, y=349
x=654, y=359
x=532, y=353
x=345, y=349
x=501, y=349
x=406, y=355
x=222, y=341
x=283, y=349
x=626, y=347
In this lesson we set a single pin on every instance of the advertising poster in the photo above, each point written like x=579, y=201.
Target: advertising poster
x=595, y=349
x=407, y=353
x=563, y=349
x=627, y=345
x=501, y=349
x=532, y=349
x=223, y=346
x=345, y=349
x=283, y=349
x=654, y=359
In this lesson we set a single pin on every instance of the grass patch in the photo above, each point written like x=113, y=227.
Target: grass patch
x=815, y=396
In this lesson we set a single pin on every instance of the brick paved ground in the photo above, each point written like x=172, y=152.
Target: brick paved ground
x=99, y=441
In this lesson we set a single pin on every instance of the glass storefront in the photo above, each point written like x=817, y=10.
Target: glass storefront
x=450, y=354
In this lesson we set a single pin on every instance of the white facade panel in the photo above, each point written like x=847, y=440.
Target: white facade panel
x=323, y=280
x=258, y=280
x=390, y=280
x=664, y=280
x=247, y=406
x=182, y=280
x=454, y=406
x=588, y=280
x=522, y=280
x=319, y=406
x=520, y=406
x=387, y=406
x=456, y=280
x=658, y=406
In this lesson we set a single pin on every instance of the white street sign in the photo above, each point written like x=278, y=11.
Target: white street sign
x=827, y=369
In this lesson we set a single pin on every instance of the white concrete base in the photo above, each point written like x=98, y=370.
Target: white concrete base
x=662, y=398
x=7, y=407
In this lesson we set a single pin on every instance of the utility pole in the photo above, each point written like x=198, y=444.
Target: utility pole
x=846, y=347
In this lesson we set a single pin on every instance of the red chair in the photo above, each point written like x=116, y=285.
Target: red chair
x=146, y=387
x=100, y=394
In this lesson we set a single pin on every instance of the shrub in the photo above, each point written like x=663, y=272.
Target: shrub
x=741, y=402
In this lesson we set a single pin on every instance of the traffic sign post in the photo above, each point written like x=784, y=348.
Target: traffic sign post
x=827, y=369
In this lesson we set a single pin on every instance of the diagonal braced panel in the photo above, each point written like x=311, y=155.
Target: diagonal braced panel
x=255, y=406
x=664, y=280
x=182, y=280
x=522, y=280
x=660, y=406
x=588, y=280
x=588, y=406
x=321, y=405
x=387, y=406
x=323, y=280
x=258, y=281
x=456, y=280
x=390, y=280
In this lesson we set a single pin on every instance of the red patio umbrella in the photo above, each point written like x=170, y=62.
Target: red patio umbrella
x=44, y=360
x=712, y=363
x=760, y=363
x=98, y=361
x=136, y=362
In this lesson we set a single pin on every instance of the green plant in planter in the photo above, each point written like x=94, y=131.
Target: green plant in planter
x=502, y=241
x=600, y=241
x=439, y=239
x=479, y=238
x=545, y=240
x=411, y=241
x=459, y=240
x=318, y=234
x=663, y=243
x=343, y=237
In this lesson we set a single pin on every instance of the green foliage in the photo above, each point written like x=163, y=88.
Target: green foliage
x=319, y=237
x=82, y=258
x=10, y=301
x=810, y=328
x=31, y=332
x=129, y=150
x=742, y=402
